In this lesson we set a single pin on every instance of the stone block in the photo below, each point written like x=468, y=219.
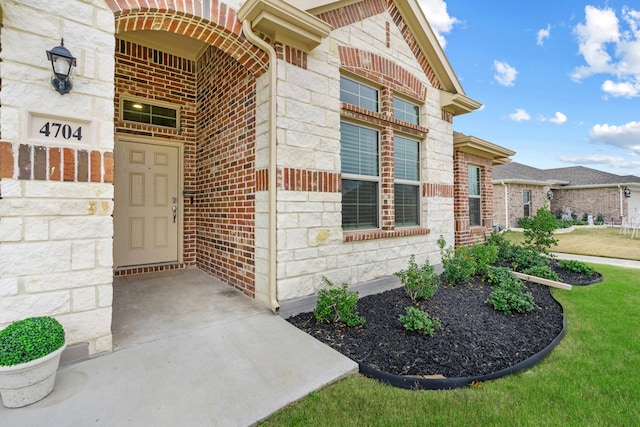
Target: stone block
x=20, y=259
x=36, y=229
x=8, y=286
x=87, y=227
x=11, y=229
x=105, y=295
x=83, y=255
x=67, y=280
x=83, y=299
x=21, y=306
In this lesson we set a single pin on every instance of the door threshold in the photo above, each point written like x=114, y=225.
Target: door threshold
x=147, y=268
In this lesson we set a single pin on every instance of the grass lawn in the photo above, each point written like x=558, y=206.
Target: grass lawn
x=590, y=379
x=604, y=242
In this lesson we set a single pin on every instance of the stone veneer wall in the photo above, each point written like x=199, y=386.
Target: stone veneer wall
x=56, y=195
x=310, y=239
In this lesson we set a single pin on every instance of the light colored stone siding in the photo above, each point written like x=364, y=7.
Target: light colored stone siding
x=310, y=239
x=55, y=225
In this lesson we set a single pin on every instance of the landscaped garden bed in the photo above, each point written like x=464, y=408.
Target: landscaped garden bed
x=463, y=328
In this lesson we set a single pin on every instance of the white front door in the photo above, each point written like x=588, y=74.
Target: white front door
x=146, y=211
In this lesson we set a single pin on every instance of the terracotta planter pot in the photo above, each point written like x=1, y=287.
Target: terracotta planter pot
x=27, y=383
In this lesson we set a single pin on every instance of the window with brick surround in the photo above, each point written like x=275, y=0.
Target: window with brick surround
x=358, y=94
x=406, y=159
x=360, y=176
x=380, y=157
x=406, y=111
x=474, y=196
x=164, y=115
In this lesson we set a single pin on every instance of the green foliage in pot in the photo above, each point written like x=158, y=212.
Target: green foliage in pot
x=30, y=339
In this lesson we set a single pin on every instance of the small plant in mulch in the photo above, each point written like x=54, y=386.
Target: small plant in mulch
x=459, y=264
x=576, y=266
x=509, y=292
x=416, y=320
x=419, y=282
x=543, y=271
x=337, y=305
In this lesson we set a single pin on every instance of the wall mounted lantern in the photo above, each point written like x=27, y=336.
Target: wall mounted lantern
x=62, y=62
x=550, y=195
x=627, y=192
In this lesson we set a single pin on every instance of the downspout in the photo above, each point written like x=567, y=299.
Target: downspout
x=620, y=191
x=272, y=167
x=506, y=205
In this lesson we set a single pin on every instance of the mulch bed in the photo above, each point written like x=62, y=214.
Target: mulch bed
x=473, y=338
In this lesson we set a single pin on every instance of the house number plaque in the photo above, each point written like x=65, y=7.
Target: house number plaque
x=59, y=129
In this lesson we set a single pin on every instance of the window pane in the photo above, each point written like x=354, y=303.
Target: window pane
x=359, y=204
x=474, y=211
x=406, y=111
x=474, y=181
x=150, y=114
x=358, y=150
x=406, y=159
x=357, y=94
x=406, y=205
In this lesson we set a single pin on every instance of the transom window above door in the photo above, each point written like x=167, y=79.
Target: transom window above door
x=149, y=113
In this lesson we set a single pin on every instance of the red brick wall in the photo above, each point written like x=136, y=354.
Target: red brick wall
x=591, y=201
x=464, y=233
x=157, y=76
x=226, y=175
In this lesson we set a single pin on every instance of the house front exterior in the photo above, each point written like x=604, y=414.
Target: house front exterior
x=520, y=190
x=264, y=143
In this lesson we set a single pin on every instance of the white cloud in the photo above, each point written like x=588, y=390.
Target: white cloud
x=610, y=46
x=626, y=136
x=558, y=119
x=543, y=33
x=598, y=159
x=505, y=73
x=624, y=89
x=439, y=19
x=520, y=115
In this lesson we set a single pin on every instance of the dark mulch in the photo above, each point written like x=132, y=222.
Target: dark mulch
x=473, y=339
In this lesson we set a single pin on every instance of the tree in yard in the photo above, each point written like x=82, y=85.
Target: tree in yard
x=538, y=231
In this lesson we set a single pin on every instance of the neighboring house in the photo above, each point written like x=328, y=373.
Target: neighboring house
x=520, y=190
x=264, y=143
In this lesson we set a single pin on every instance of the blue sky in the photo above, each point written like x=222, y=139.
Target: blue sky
x=559, y=80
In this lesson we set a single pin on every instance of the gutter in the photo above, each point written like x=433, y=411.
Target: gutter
x=272, y=167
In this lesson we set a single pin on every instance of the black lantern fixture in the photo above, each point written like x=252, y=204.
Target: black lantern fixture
x=627, y=192
x=62, y=62
x=550, y=195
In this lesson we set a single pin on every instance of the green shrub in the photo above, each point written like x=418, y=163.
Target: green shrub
x=543, y=271
x=337, y=305
x=504, y=246
x=417, y=320
x=538, y=231
x=458, y=264
x=600, y=218
x=30, y=339
x=497, y=275
x=419, y=282
x=523, y=258
x=576, y=266
x=484, y=255
x=510, y=295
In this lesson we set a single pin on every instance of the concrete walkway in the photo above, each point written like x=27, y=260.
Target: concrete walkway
x=601, y=260
x=230, y=370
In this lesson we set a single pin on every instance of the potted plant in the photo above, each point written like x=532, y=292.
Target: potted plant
x=30, y=352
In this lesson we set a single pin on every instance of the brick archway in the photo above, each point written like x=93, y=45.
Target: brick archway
x=212, y=23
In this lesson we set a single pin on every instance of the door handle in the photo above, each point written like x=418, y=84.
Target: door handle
x=175, y=213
